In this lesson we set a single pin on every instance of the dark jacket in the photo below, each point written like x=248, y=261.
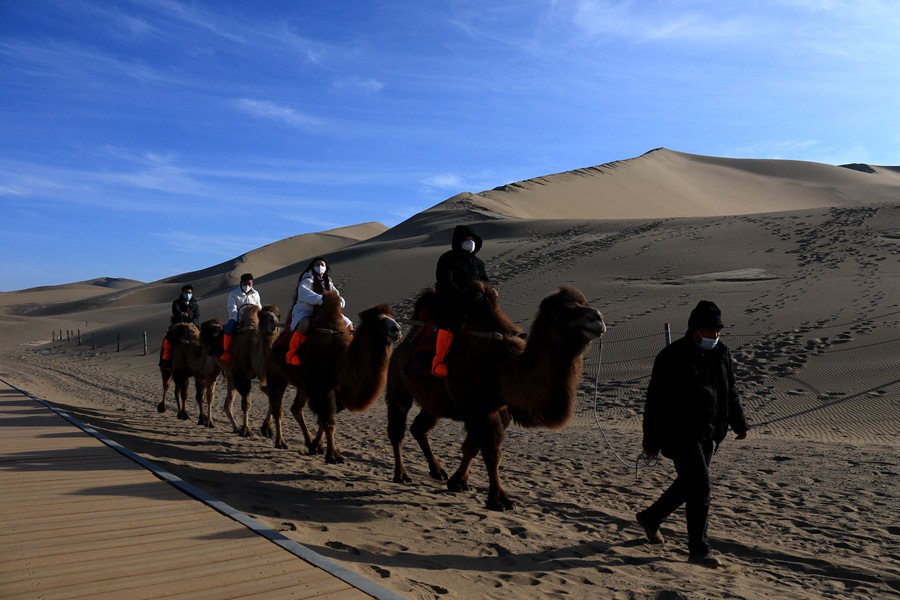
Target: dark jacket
x=456, y=269
x=691, y=396
x=191, y=307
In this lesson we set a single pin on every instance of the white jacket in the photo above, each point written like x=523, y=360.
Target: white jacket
x=307, y=299
x=237, y=298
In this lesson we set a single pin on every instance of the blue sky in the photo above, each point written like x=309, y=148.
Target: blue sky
x=146, y=138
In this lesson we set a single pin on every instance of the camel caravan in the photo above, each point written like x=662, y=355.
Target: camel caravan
x=497, y=374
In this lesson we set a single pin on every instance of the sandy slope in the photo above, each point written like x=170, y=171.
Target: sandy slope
x=804, y=508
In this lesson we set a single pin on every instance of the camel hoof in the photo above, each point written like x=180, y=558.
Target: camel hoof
x=245, y=432
x=183, y=416
x=160, y=408
x=267, y=432
x=499, y=504
x=334, y=459
x=458, y=485
x=440, y=475
x=281, y=445
x=402, y=478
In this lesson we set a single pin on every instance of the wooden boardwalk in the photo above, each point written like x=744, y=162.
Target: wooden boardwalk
x=82, y=517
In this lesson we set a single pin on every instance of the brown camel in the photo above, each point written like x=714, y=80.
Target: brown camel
x=190, y=361
x=495, y=377
x=338, y=371
x=186, y=362
x=250, y=350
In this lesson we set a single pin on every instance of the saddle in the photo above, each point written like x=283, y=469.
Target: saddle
x=422, y=355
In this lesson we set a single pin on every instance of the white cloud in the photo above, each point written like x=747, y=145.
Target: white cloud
x=371, y=86
x=265, y=109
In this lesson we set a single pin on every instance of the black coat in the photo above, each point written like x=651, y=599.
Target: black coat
x=456, y=269
x=691, y=396
x=191, y=307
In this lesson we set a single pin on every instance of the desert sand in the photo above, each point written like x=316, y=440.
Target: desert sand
x=801, y=257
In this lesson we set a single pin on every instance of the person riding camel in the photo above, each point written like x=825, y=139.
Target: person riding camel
x=456, y=269
x=184, y=310
x=241, y=296
x=313, y=282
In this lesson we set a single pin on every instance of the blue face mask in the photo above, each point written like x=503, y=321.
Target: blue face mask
x=187, y=296
x=707, y=343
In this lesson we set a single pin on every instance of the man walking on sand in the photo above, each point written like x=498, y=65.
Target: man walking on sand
x=691, y=402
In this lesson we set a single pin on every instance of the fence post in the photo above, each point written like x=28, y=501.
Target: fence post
x=79, y=336
x=92, y=341
x=117, y=342
x=145, y=343
x=668, y=334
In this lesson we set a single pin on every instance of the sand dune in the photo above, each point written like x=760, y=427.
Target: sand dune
x=802, y=258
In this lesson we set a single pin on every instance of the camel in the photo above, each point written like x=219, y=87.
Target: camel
x=250, y=351
x=338, y=371
x=496, y=377
x=190, y=358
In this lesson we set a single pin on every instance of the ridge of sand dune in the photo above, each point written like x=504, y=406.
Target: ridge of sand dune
x=664, y=183
x=215, y=280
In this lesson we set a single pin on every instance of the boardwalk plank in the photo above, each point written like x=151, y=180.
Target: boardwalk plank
x=79, y=520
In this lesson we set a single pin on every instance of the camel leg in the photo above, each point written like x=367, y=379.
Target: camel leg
x=243, y=386
x=200, y=392
x=313, y=446
x=398, y=404
x=229, y=402
x=266, y=427
x=460, y=480
x=166, y=382
x=492, y=454
x=181, y=385
x=421, y=429
x=275, y=391
x=328, y=425
x=210, y=396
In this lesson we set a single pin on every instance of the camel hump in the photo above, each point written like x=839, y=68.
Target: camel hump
x=248, y=316
x=330, y=309
x=183, y=332
x=426, y=306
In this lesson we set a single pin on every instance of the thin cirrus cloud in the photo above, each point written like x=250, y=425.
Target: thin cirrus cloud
x=264, y=109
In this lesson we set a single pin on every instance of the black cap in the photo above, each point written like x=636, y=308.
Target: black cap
x=246, y=277
x=706, y=315
x=187, y=287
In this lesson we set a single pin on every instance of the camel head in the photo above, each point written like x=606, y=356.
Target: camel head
x=211, y=330
x=566, y=317
x=380, y=321
x=269, y=319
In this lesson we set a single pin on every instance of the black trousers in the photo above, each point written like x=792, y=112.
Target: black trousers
x=692, y=488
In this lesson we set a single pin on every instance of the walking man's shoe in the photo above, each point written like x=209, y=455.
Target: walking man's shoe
x=652, y=531
x=706, y=560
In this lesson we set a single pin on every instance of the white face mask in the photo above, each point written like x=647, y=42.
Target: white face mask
x=246, y=288
x=707, y=343
x=188, y=296
x=468, y=246
x=319, y=269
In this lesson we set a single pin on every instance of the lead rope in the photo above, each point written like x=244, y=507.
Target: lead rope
x=650, y=462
